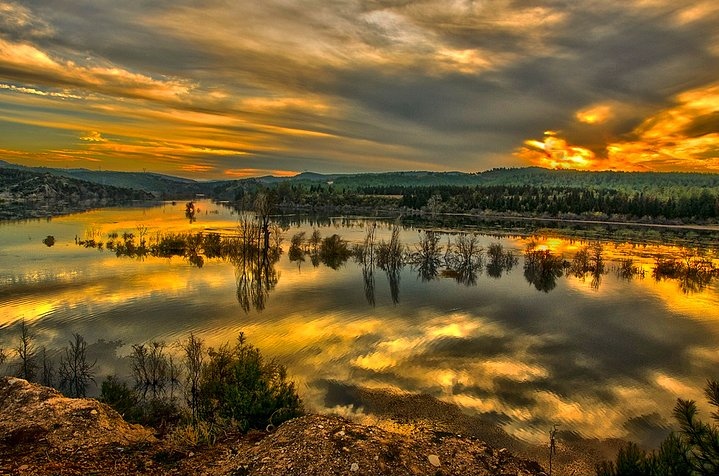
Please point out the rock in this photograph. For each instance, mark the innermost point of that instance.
(354, 468)
(433, 460)
(33, 413)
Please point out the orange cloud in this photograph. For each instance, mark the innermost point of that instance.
(93, 136)
(596, 114)
(684, 137)
(26, 62)
(199, 168)
(556, 153)
(244, 173)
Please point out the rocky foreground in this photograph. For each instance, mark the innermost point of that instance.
(44, 433)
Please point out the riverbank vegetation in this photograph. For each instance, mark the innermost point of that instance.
(255, 248)
(531, 192)
(186, 390)
(647, 197)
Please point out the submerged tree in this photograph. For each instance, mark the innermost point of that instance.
(464, 258)
(297, 250)
(693, 271)
(368, 283)
(542, 268)
(334, 251)
(499, 260)
(427, 256)
(190, 211)
(390, 255)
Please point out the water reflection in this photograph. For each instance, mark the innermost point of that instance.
(589, 261)
(256, 276)
(693, 272)
(600, 362)
(463, 259)
(368, 284)
(190, 212)
(427, 256)
(499, 260)
(542, 268)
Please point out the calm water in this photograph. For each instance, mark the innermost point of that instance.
(604, 358)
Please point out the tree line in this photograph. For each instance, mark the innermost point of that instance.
(676, 204)
(557, 201)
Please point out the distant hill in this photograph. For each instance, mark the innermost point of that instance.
(159, 185)
(27, 193)
(171, 187)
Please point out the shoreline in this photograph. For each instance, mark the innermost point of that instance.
(44, 213)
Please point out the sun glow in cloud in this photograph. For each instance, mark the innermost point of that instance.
(93, 136)
(596, 114)
(683, 137)
(245, 173)
(555, 153)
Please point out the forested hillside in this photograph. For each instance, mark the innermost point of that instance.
(536, 192)
(646, 196)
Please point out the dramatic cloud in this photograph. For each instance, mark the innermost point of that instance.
(361, 86)
(684, 136)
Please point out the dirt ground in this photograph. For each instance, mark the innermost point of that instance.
(44, 433)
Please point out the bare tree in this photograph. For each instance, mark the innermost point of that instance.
(150, 368)
(263, 207)
(48, 372)
(428, 255)
(75, 371)
(27, 353)
(434, 204)
(193, 361)
(465, 258)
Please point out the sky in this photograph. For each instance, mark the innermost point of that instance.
(232, 89)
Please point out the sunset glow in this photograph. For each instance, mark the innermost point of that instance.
(283, 87)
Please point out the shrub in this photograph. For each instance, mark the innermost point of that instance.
(334, 251)
(121, 398)
(239, 385)
(160, 413)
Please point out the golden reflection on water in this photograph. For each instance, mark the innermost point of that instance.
(465, 345)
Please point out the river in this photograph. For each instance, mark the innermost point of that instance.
(603, 354)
